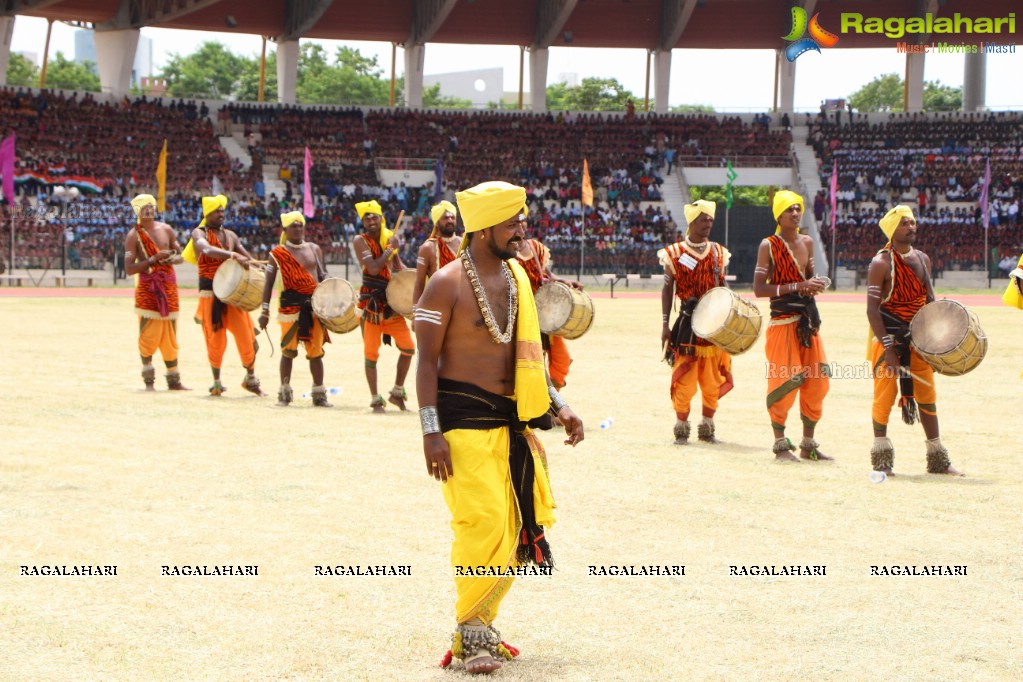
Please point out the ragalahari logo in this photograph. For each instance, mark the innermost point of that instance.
(819, 37)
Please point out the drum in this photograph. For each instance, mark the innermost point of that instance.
(729, 322)
(564, 311)
(948, 337)
(334, 303)
(399, 292)
(239, 286)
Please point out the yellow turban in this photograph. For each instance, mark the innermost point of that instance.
(892, 219)
(287, 220)
(692, 211)
(138, 202)
(211, 204)
(783, 201)
(439, 211)
(488, 204)
(371, 207)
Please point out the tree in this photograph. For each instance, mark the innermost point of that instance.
(742, 195)
(887, 92)
(884, 93)
(248, 81)
(593, 94)
(938, 97)
(212, 72)
(22, 72)
(67, 74)
(349, 79)
(692, 109)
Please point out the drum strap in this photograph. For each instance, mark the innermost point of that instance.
(900, 334)
(304, 302)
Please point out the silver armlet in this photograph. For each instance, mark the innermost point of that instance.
(887, 341)
(430, 420)
(556, 399)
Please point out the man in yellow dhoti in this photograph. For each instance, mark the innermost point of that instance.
(481, 386)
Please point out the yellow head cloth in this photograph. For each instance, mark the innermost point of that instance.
(287, 220)
(370, 207)
(138, 202)
(211, 204)
(692, 211)
(488, 204)
(783, 201)
(892, 218)
(439, 211)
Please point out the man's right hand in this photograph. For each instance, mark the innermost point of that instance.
(891, 359)
(438, 456)
(263, 320)
(665, 334)
(242, 260)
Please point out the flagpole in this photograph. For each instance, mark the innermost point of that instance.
(582, 245)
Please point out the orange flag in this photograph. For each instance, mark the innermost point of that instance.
(161, 180)
(587, 187)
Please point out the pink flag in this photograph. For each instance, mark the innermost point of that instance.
(307, 194)
(7, 167)
(984, 205)
(834, 193)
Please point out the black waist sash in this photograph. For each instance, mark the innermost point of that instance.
(218, 305)
(804, 306)
(466, 406)
(899, 331)
(304, 302)
(682, 340)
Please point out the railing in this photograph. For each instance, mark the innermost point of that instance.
(398, 163)
(718, 161)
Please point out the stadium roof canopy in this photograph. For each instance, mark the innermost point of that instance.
(644, 24)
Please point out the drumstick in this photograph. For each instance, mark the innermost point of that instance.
(397, 224)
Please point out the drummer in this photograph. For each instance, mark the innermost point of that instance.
(377, 250)
(215, 244)
(795, 354)
(536, 260)
(440, 247)
(691, 268)
(301, 266)
(898, 286)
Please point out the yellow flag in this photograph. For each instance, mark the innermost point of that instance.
(587, 187)
(161, 180)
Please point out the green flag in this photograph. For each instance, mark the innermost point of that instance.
(731, 175)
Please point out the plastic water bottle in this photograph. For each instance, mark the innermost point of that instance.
(333, 390)
(606, 424)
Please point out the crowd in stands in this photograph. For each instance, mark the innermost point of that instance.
(937, 165)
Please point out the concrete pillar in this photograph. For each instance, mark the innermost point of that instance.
(6, 34)
(287, 71)
(115, 55)
(785, 76)
(974, 77)
(415, 55)
(914, 94)
(662, 80)
(538, 59)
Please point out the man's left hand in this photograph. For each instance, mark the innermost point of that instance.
(573, 426)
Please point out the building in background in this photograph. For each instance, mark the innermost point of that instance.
(479, 86)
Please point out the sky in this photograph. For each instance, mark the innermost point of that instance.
(728, 80)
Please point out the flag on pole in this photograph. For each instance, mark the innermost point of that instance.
(731, 175)
(438, 169)
(7, 167)
(984, 205)
(587, 187)
(834, 193)
(161, 180)
(307, 192)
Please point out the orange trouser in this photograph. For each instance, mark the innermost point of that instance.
(240, 325)
(289, 339)
(790, 368)
(395, 327)
(711, 369)
(159, 335)
(559, 360)
(886, 385)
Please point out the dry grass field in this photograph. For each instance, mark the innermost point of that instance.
(94, 471)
